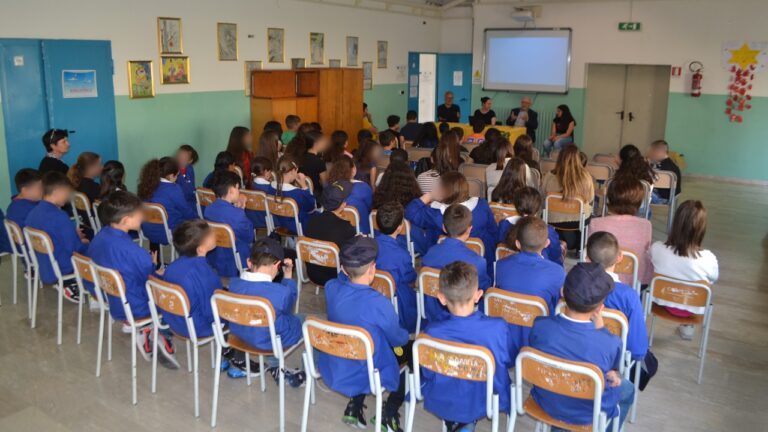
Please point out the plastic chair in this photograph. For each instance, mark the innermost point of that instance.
(575, 207)
(155, 214)
(502, 211)
(19, 251)
(375, 226)
(205, 197)
(80, 202)
(172, 299)
(514, 308)
(695, 297)
(40, 243)
(339, 340)
(384, 283)
(459, 361)
(351, 215)
(667, 180)
(474, 243)
(111, 282)
(317, 252)
(428, 284)
(285, 207)
(565, 377)
(225, 239)
(257, 201)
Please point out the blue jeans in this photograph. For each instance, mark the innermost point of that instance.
(557, 145)
(656, 199)
(626, 396)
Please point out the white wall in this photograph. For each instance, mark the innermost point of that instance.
(132, 28)
(674, 32)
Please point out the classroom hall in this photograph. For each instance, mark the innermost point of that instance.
(617, 141)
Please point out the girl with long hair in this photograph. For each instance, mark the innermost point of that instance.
(634, 165)
(445, 157)
(338, 146)
(513, 178)
(224, 162)
(311, 163)
(239, 146)
(290, 183)
(503, 151)
(366, 158)
(562, 130)
(398, 184)
(361, 197)
(523, 148)
(269, 146)
(261, 179)
(112, 178)
(83, 172)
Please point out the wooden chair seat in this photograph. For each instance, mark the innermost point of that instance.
(663, 313)
(536, 411)
(240, 345)
(283, 231)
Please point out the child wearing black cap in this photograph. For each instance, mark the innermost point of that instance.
(460, 403)
(578, 334)
(350, 300)
(329, 226)
(229, 209)
(266, 260)
(56, 143)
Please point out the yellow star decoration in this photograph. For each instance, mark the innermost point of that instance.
(743, 56)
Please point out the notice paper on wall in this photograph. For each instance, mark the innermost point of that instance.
(458, 78)
(78, 84)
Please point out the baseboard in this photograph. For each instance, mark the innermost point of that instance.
(732, 180)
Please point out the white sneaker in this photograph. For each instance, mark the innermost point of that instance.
(143, 342)
(93, 306)
(127, 328)
(686, 332)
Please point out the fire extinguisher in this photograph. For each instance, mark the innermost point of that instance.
(696, 68)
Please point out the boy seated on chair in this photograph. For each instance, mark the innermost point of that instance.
(578, 334)
(48, 216)
(460, 403)
(528, 202)
(528, 272)
(191, 271)
(266, 260)
(229, 208)
(351, 300)
(457, 223)
(394, 258)
(29, 183)
(658, 156)
(603, 248)
(113, 247)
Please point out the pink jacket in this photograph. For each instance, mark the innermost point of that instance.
(634, 234)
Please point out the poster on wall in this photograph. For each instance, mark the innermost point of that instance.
(140, 79)
(174, 70)
(367, 75)
(250, 66)
(226, 39)
(352, 51)
(316, 48)
(169, 35)
(78, 84)
(382, 48)
(275, 45)
(743, 60)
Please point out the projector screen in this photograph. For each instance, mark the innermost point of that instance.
(527, 60)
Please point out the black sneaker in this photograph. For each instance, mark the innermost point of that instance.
(294, 377)
(237, 368)
(389, 423)
(72, 292)
(354, 415)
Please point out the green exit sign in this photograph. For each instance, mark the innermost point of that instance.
(629, 26)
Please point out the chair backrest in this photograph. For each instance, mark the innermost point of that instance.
(111, 282)
(456, 360)
(629, 266)
(16, 238)
(606, 159)
(474, 243)
(285, 207)
(239, 172)
(171, 298)
(514, 308)
(503, 211)
(665, 180)
(599, 171)
(318, 252)
(205, 196)
(155, 213)
(474, 171)
(383, 162)
(384, 283)
(555, 203)
(691, 296)
(96, 218)
(39, 241)
(429, 281)
(565, 377)
(502, 251)
(535, 154)
(535, 177)
(351, 215)
(254, 200)
(476, 188)
(554, 154)
(83, 268)
(415, 153)
(81, 202)
(545, 166)
(617, 323)
(310, 185)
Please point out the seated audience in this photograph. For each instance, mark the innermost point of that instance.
(262, 177)
(389, 141)
(445, 157)
(411, 129)
(187, 157)
(229, 209)
(393, 125)
(523, 149)
(269, 148)
(292, 123)
(477, 136)
(83, 175)
(366, 159)
(239, 146)
(112, 178)
(56, 143)
(427, 136)
(290, 183)
(509, 179)
(528, 202)
(495, 169)
(658, 155)
(29, 183)
(224, 162)
(361, 197)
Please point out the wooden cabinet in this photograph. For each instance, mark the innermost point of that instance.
(331, 97)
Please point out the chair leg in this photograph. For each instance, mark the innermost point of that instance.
(35, 289)
(307, 394)
(189, 357)
(379, 397)
(262, 374)
(154, 358)
(704, 341)
(281, 385)
(134, 348)
(29, 279)
(247, 368)
(411, 408)
(213, 355)
(196, 379)
(216, 379)
(495, 418)
(80, 317)
(653, 330)
(100, 343)
(298, 293)
(109, 338)
(633, 413)
(59, 318)
(15, 266)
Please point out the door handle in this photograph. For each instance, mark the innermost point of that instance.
(621, 114)
(631, 116)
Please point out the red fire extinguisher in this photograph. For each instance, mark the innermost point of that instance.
(696, 68)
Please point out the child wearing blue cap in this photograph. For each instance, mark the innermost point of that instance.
(578, 334)
(351, 300)
(394, 258)
(229, 209)
(457, 222)
(266, 259)
(460, 403)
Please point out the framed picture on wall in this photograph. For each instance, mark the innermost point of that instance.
(250, 66)
(298, 63)
(169, 36)
(367, 75)
(352, 51)
(226, 39)
(174, 70)
(381, 54)
(275, 45)
(316, 48)
(334, 63)
(141, 83)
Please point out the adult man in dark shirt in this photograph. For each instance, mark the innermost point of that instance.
(56, 142)
(329, 226)
(658, 155)
(525, 117)
(411, 129)
(448, 112)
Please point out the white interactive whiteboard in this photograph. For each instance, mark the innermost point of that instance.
(530, 60)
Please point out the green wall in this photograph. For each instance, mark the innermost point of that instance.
(384, 100)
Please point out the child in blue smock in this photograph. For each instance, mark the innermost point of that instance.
(394, 258)
(113, 247)
(228, 209)
(187, 157)
(603, 248)
(460, 403)
(350, 300)
(361, 197)
(48, 216)
(528, 272)
(290, 183)
(266, 259)
(457, 222)
(427, 212)
(261, 173)
(528, 202)
(578, 334)
(157, 184)
(29, 183)
(224, 162)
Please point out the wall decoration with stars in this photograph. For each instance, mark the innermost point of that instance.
(743, 60)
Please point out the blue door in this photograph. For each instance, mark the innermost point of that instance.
(449, 67)
(37, 97)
